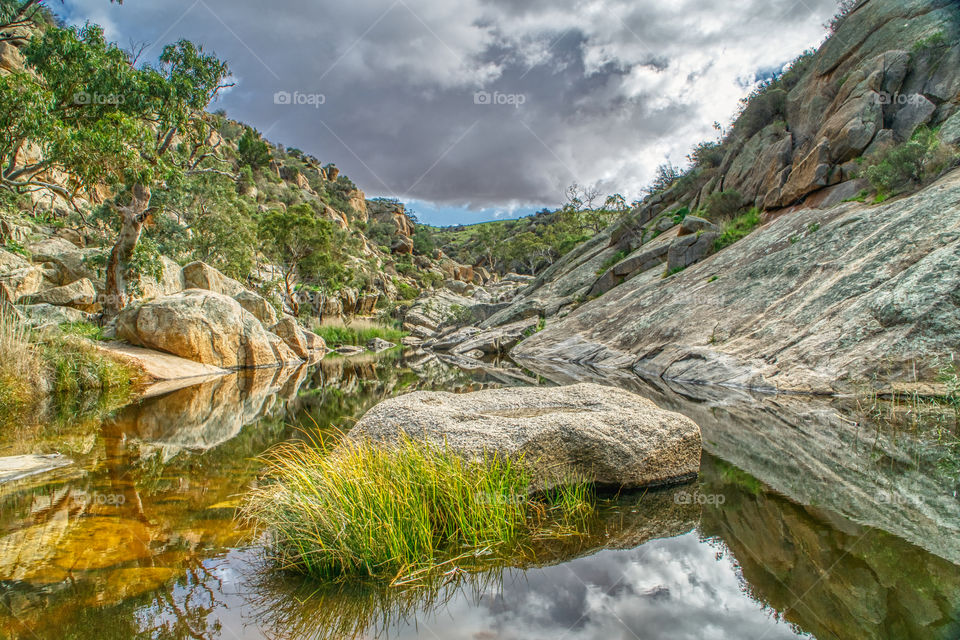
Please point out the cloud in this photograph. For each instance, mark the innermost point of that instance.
(593, 91)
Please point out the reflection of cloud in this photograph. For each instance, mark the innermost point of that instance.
(611, 87)
(670, 589)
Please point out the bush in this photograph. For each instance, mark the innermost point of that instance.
(723, 205)
(907, 166)
(253, 150)
(405, 291)
(738, 228)
(387, 512)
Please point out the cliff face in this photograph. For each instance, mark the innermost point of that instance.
(812, 301)
(828, 292)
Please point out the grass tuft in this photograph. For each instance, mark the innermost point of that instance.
(391, 513)
(360, 331)
(737, 229)
(20, 368)
(57, 371)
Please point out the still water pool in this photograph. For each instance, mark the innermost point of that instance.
(801, 525)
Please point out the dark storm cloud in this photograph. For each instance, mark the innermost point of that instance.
(596, 92)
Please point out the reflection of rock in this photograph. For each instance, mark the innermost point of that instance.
(205, 415)
(863, 583)
(601, 434)
(17, 467)
(47, 551)
(806, 449)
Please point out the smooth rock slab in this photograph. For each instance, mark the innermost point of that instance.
(17, 467)
(605, 435)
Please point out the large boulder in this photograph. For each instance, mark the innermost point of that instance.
(71, 263)
(689, 249)
(11, 262)
(80, 295)
(256, 304)
(950, 131)
(205, 327)
(48, 315)
(170, 281)
(294, 337)
(810, 174)
(604, 435)
(18, 283)
(200, 275)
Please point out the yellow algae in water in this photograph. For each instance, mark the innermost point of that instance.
(26, 554)
(226, 504)
(99, 542)
(119, 584)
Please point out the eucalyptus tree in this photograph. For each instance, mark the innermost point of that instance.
(82, 109)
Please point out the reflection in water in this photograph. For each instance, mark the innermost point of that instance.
(138, 538)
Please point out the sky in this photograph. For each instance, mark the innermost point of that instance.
(474, 110)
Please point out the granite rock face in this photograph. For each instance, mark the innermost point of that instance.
(813, 301)
(205, 327)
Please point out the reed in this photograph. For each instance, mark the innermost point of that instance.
(391, 513)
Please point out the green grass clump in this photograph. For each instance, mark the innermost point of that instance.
(358, 332)
(391, 512)
(738, 228)
(612, 260)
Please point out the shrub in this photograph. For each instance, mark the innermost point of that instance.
(738, 228)
(253, 150)
(406, 291)
(387, 512)
(907, 166)
(723, 205)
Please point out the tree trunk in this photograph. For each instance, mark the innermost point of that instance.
(132, 218)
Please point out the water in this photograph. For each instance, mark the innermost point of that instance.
(800, 525)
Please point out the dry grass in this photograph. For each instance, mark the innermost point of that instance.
(53, 375)
(20, 369)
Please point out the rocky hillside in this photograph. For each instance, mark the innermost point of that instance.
(812, 247)
(235, 244)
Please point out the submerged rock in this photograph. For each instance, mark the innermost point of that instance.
(379, 344)
(601, 434)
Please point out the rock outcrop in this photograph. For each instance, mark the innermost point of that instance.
(205, 327)
(813, 301)
(604, 435)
